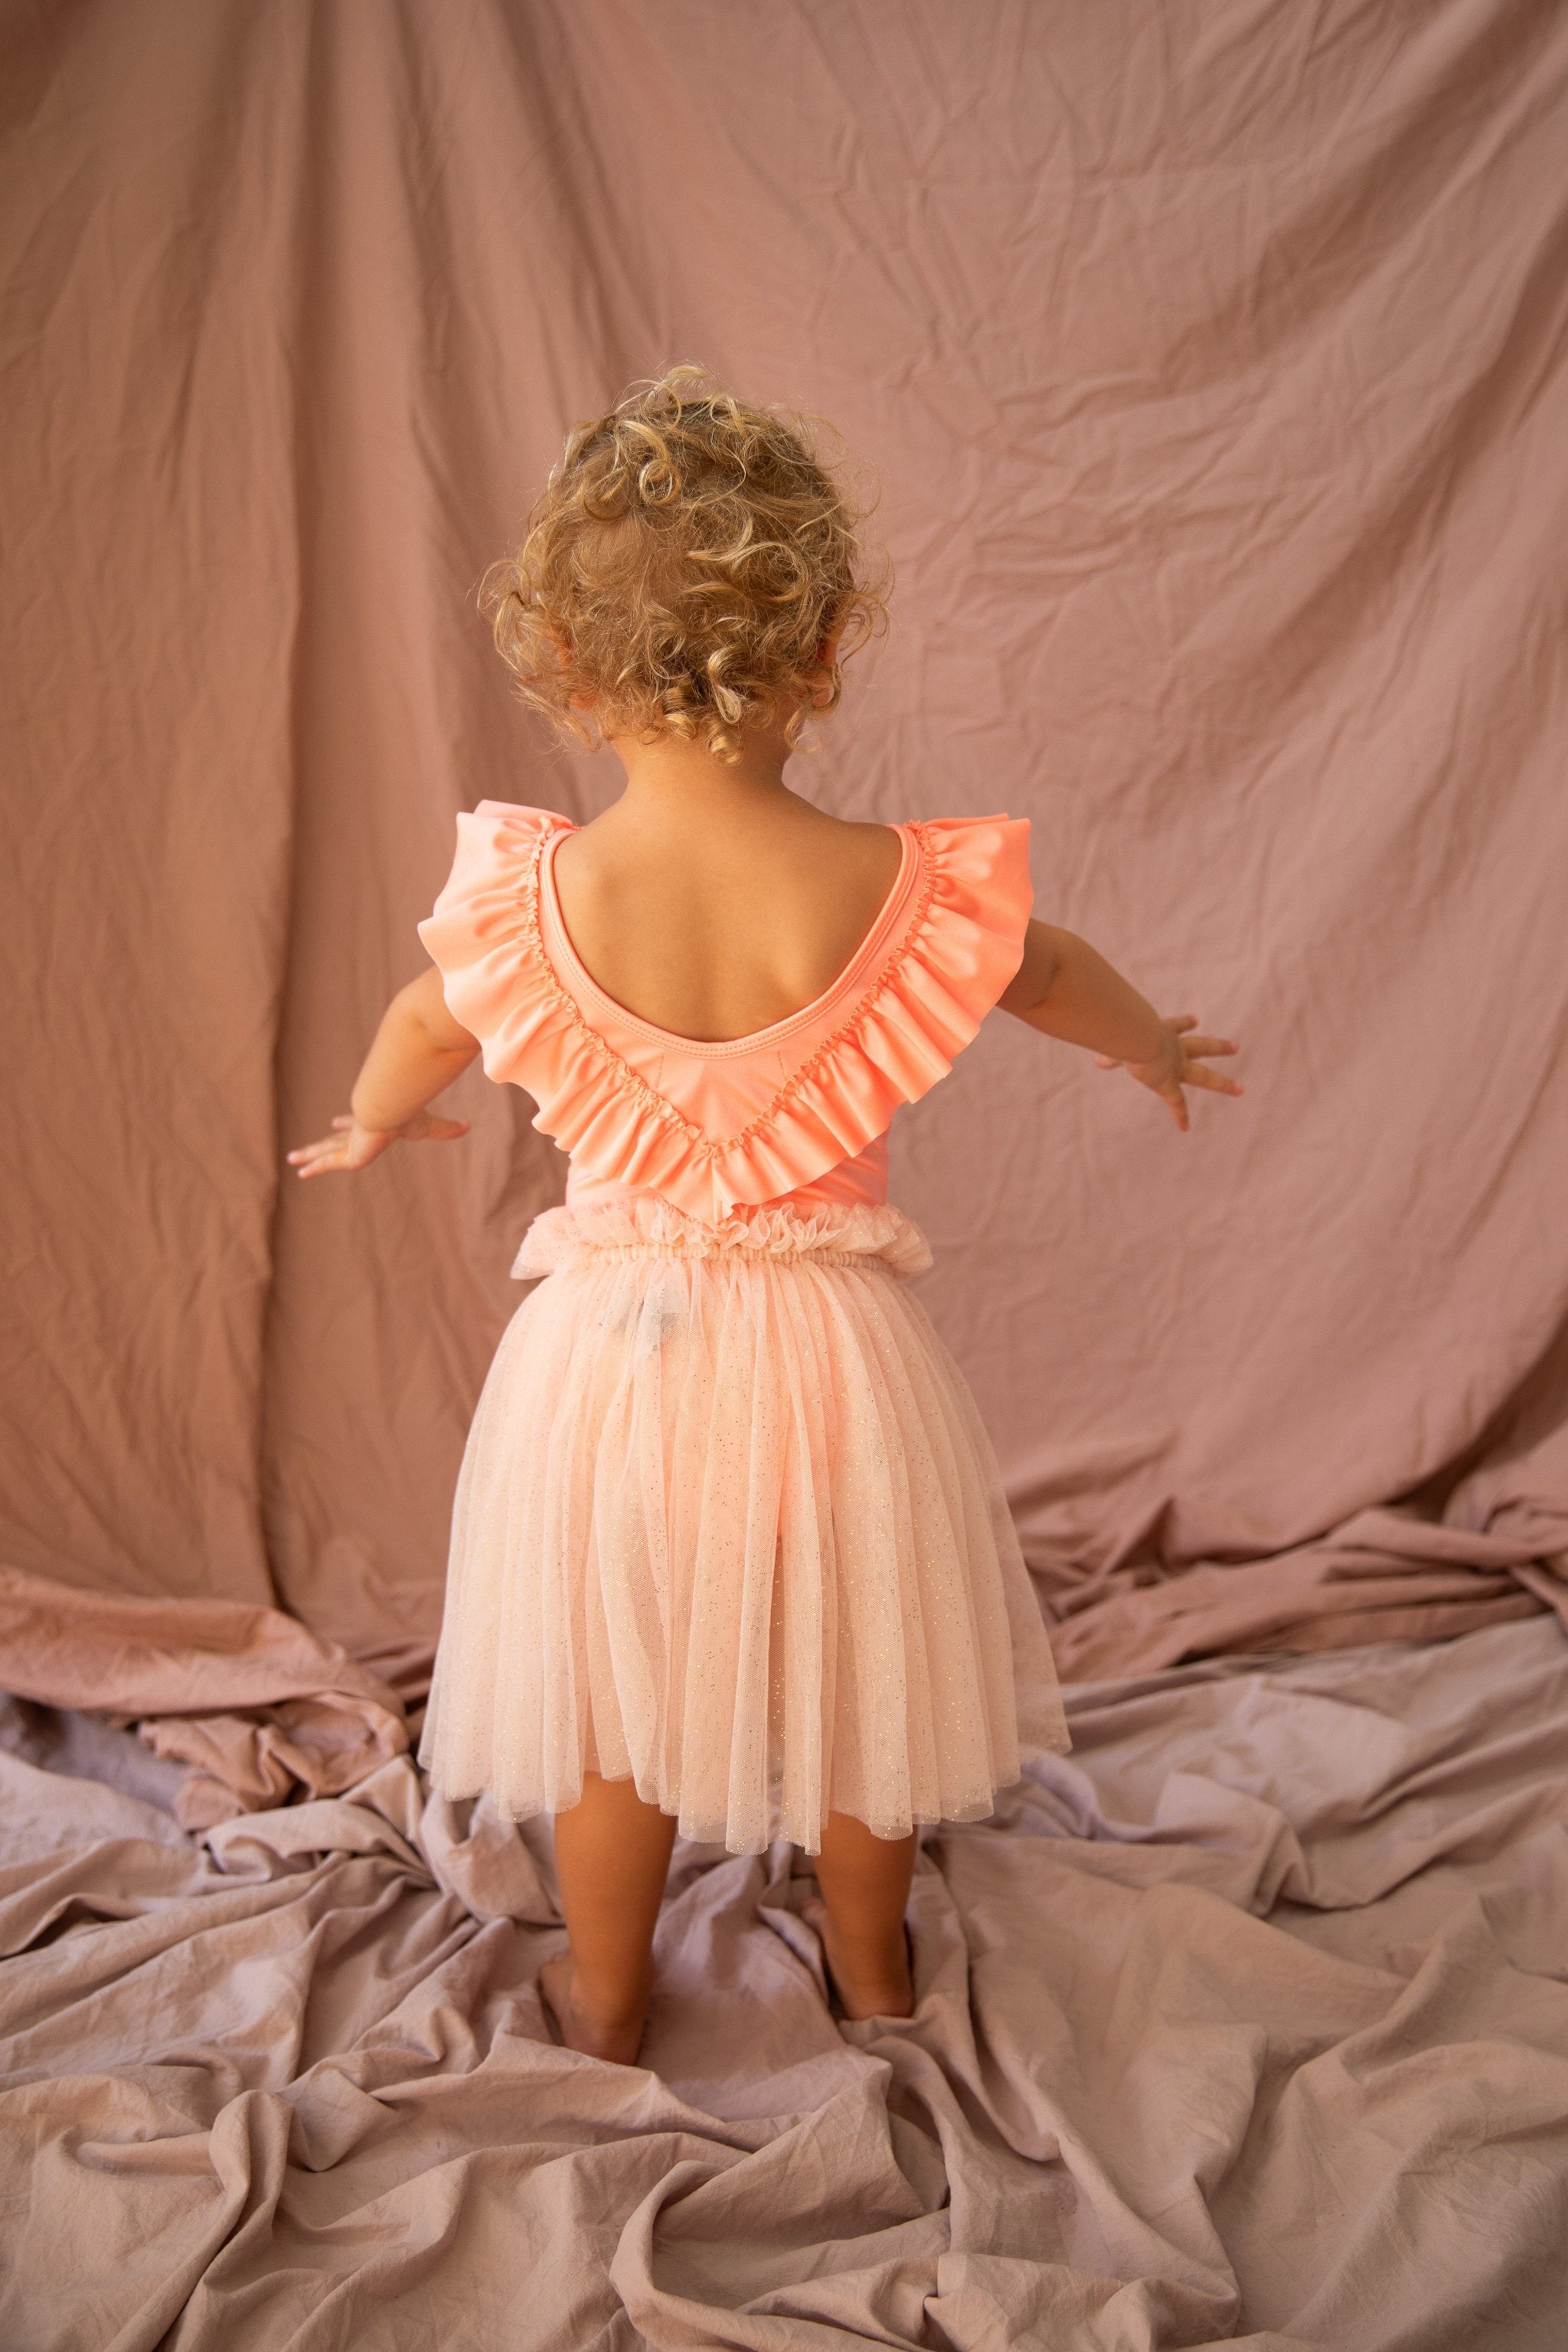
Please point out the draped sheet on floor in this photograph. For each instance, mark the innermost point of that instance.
(1246, 2022)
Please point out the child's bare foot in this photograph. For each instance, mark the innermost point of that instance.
(867, 1985)
(617, 2038)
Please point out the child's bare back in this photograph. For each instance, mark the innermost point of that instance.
(715, 922)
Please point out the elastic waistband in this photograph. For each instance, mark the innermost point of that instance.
(868, 1260)
(866, 1236)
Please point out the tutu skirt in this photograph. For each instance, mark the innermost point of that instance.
(729, 1524)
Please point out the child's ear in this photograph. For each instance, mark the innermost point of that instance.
(560, 646)
(826, 654)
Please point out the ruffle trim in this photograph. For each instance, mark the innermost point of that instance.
(857, 1234)
(959, 945)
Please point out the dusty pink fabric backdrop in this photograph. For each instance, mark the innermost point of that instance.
(1213, 361)
(1212, 356)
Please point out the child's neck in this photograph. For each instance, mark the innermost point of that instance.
(669, 771)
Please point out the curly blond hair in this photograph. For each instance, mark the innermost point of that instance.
(692, 567)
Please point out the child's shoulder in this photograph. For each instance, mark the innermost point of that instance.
(496, 846)
(968, 853)
(518, 815)
(503, 834)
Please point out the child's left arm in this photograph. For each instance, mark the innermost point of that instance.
(417, 1052)
(1066, 989)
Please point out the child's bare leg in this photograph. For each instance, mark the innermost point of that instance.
(865, 1881)
(612, 1857)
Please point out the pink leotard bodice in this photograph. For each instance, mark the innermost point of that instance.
(797, 1112)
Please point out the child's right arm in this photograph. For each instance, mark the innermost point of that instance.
(417, 1052)
(1066, 989)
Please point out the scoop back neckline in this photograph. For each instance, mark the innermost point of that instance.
(754, 1039)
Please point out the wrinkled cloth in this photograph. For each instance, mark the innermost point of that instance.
(1245, 2023)
(729, 1526)
(260, 1707)
(1385, 1575)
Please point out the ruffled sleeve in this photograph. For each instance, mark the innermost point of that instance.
(963, 952)
(961, 947)
(476, 936)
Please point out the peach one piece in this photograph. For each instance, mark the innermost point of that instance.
(728, 1521)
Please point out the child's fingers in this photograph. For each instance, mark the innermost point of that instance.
(1197, 1076)
(1210, 1045)
(332, 1151)
(325, 1143)
(337, 1158)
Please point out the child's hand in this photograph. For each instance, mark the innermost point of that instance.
(353, 1146)
(1179, 1065)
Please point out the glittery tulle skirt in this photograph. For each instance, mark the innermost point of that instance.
(729, 1524)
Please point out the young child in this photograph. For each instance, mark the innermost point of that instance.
(729, 1551)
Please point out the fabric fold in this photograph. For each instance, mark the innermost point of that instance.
(255, 1705)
